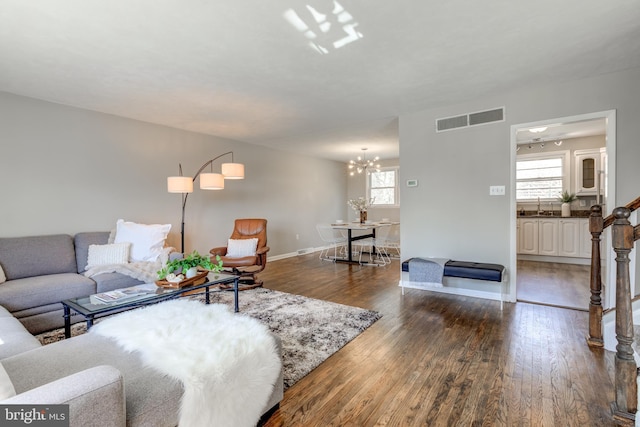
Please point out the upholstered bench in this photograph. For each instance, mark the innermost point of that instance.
(459, 271)
(469, 270)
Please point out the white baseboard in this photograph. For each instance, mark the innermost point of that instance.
(454, 291)
(556, 259)
(304, 251)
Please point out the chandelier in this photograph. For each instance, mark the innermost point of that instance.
(362, 164)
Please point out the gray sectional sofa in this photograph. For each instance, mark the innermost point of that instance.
(41, 271)
(102, 384)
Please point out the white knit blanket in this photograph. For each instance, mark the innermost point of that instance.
(228, 363)
(143, 270)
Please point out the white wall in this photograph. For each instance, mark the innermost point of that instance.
(450, 214)
(67, 170)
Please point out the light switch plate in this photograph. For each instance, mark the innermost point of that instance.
(497, 190)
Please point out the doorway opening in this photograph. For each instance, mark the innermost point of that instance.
(550, 248)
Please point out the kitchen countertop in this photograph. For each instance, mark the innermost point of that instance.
(556, 214)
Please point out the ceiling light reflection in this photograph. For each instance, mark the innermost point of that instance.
(328, 26)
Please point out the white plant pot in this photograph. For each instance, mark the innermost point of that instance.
(192, 272)
(566, 209)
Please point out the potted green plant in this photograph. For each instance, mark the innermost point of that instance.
(566, 200)
(189, 265)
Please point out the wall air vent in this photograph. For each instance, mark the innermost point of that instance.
(452, 123)
(470, 119)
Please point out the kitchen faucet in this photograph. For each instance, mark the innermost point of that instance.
(539, 211)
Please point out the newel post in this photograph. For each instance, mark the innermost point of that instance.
(596, 225)
(625, 405)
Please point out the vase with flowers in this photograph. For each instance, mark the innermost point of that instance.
(360, 205)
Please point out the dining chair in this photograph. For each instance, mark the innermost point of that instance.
(392, 241)
(335, 240)
(378, 242)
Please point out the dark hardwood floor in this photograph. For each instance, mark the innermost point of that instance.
(443, 360)
(562, 285)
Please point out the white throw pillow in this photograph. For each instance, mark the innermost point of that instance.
(6, 386)
(242, 247)
(116, 253)
(147, 240)
(3, 278)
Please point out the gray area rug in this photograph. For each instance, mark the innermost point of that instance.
(311, 330)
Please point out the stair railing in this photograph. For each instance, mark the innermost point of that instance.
(626, 371)
(597, 224)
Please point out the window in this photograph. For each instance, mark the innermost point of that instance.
(541, 176)
(383, 187)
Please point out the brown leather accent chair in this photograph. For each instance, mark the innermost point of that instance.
(247, 266)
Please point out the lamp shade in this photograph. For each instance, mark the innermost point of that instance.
(233, 170)
(211, 181)
(180, 184)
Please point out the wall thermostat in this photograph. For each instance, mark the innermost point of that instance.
(412, 183)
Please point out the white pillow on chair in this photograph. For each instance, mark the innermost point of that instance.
(3, 278)
(241, 247)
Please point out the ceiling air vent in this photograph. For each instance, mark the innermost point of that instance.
(471, 119)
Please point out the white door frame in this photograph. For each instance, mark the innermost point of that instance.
(610, 120)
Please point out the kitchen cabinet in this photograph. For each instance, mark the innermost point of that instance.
(548, 236)
(587, 165)
(528, 236)
(562, 237)
(569, 237)
(537, 236)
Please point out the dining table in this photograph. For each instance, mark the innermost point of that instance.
(369, 227)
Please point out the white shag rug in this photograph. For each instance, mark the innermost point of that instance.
(227, 362)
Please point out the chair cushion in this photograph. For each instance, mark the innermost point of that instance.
(250, 227)
(239, 262)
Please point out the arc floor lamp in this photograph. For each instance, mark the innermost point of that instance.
(208, 181)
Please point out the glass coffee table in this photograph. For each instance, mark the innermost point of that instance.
(90, 308)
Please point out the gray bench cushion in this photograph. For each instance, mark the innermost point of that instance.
(37, 255)
(31, 292)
